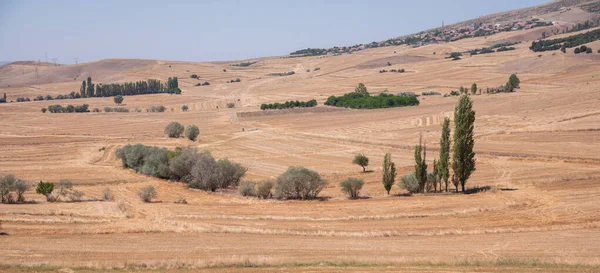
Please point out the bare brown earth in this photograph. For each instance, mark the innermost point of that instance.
(537, 148)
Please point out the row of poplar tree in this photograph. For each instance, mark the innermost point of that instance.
(151, 86)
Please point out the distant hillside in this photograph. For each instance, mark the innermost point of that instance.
(3, 63)
(561, 14)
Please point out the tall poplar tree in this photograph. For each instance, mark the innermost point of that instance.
(389, 173)
(463, 158)
(421, 165)
(443, 163)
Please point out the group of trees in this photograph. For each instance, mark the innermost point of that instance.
(236, 80)
(392, 70)
(566, 42)
(462, 161)
(244, 64)
(9, 184)
(57, 108)
(295, 183)
(198, 169)
(583, 49)
(151, 86)
(176, 129)
(282, 74)
(289, 104)
(361, 98)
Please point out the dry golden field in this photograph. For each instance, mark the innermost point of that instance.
(538, 149)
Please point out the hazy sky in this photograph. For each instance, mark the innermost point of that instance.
(215, 30)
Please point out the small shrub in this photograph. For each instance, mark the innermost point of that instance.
(205, 83)
(192, 132)
(107, 195)
(299, 183)
(76, 195)
(156, 109)
(184, 108)
(7, 184)
(21, 187)
(147, 193)
(174, 129)
(96, 110)
(430, 93)
(263, 190)
(118, 99)
(246, 188)
(407, 94)
(230, 173)
(194, 76)
(409, 182)
(352, 186)
(317, 69)
(44, 110)
(230, 105)
(181, 200)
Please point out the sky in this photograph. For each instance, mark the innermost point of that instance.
(215, 30)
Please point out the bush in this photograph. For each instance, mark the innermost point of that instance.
(230, 173)
(205, 173)
(588, 50)
(21, 187)
(299, 183)
(282, 74)
(96, 110)
(317, 69)
(194, 76)
(114, 109)
(156, 109)
(7, 184)
(76, 195)
(118, 99)
(352, 187)
(205, 83)
(69, 109)
(107, 195)
(247, 189)
(45, 189)
(230, 105)
(184, 108)
(192, 132)
(577, 50)
(409, 182)
(148, 160)
(147, 193)
(430, 93)
(263, 190)
(174, 129)
(44, 110)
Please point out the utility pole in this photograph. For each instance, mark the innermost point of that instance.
(76, 59)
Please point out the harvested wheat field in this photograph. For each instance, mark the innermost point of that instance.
(533, 204)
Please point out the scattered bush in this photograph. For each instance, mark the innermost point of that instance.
(69, 109)
(365, 100)
(452, 93)
(194, 76)
(230, 105)
(147, 193)
(588, 50)
(115, 109)
(156, 109)
(577, 50)
(64, 186)
(45, 189)
(407, 94)
(205, 83)
(289, 104)
(21, 187)
(148, 160)
(430, 93)
(184, 108)
(566, 42)
(174, 129)
(7, 184)
(96, 110)
(76, 195)
(409, 182)
(19, 99)
(352, 186)
(192, 132)
(317, 69)
(246, 188)
(263, 189)
(44, 110)
(299, 183)
(118, 99)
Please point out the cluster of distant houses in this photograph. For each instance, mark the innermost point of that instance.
(435, 36)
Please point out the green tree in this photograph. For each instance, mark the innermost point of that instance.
(361, 88)
(118, 99)
(174, 129)
(443, 169)
(463, 159)
(83, 90)
(474, 88)
(192, 132)
(361, 160)
(45, 189)
(435, 174)
(420, 165)
(389, 173)
(513, 82)
(90, 87)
